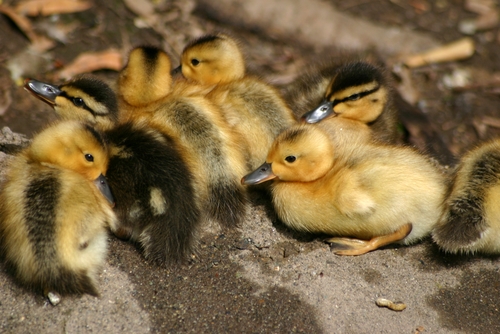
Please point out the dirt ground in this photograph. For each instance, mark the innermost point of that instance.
(262, 277)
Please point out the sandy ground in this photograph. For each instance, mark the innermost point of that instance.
(263, 278)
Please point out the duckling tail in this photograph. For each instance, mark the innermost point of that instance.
(464, 222)
(67, 281)
(461, 225)
(227, 203)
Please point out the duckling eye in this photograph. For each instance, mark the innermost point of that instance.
(290, 158)
(78, 101)
(195, 62)
(354, 97)
(89, 157)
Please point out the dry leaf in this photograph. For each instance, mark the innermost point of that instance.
(92, 61)
(39, 43)
(50, 7)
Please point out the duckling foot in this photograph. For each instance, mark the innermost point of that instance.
(351, 246)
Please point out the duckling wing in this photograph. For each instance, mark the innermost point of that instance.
(353, 198)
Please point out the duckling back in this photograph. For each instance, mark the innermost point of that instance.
(210, 147)
(250, 106)
(471, 221)
(156, 203)
(53, 217)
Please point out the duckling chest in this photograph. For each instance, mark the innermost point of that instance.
(306, 207)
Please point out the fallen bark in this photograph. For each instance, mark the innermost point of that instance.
(317, 24)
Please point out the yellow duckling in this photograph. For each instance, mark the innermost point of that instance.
(356, 93)
(152, 184)
(371, 194)
(471, 222)
(55, 210)
(211, 149)
(252, 107)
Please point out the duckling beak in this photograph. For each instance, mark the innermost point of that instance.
(43, 91)
(261, 174)
(324, 110)
(102, 184)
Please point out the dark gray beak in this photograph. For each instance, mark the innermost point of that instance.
(44, 91)
(261, 174)
(102, 184)
(321, 112)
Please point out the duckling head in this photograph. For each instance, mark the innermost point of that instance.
(357, 91)
(213, 59)
(83, 98)
(75, 146)
(146, 77)
(302, 153)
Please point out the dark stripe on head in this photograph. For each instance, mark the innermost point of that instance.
(98, 90)
(355, 74)
(96, 134)
(292, 135)
(151, 55)
(84, 106)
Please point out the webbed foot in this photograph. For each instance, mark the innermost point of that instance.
(352, 246)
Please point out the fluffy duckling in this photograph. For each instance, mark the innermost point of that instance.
(55, 210)
(84, 98)
(252, 107)
(471, 221)
(353, 93)
(211, 148)
(371, 194)
(155, 201)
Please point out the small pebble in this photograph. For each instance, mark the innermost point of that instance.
(54, 298)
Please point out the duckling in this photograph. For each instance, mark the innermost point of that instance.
(367, 194)
(84, 98)
(252, 107)
(151, 181)
(55, 208)
(471, 221)
(211, 148)
(356, 91)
